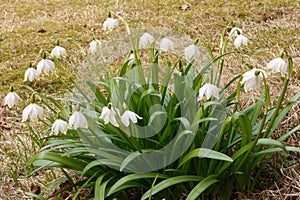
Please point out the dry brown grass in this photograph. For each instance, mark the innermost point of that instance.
(27, 27)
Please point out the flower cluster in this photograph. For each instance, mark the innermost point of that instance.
(240, 39)
(110, 114)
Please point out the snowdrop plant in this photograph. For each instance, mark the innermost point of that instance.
(146, 40)
(59, 126)
(240, 41)
(58, 51)
(208, 90)
(252, 79)
(166, 45)
(77, 120)
(166, 143)
(95, 46)
(30, 74)
(110, 23)
(45, 65)
(11, 98)
(277, 65)
(33, 112)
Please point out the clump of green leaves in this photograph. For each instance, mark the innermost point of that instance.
(180, 146)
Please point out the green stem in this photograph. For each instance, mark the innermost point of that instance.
(270, 128)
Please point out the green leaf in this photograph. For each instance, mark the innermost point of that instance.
(205, 153)
(128, 159)
(67, 162)
(97, 186)
(268, 141)
(246, 129)
(170, 182)
(97, 93)
(126, 180)
(285, 136)
(276, 149)
(202, 186)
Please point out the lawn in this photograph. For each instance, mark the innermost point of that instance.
(27, 28)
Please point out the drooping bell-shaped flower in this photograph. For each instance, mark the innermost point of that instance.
(109, 114)
(109, 24)
(30, 74)
(129, 116)
(251, 79)
(277, 65)
(77, 120)
(32, 112)
(191, 52)
(45, 65)
(11, 98)
(208, 90)
(58, 51)
(95, 46)
(240, 41)
(166, 45)
(146, 40)
(59, 126)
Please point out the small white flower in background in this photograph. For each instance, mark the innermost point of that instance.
(95, 46)
(11, 99)
(240, 41)
(77, 120)
(45, 66)
(146, 40)
(251, 79)
(277, 65)
(131, 58)
(166, 45)
(235, 32)
(129, 115)
(191, 52)
(208, 90)
(108, 115)
(32, 112)
(110, 24)
(59, 126)
(30, 74)
(58, 52)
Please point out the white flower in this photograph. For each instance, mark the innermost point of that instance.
(166, 45)
(235, 32)
(95, 46)
(208, 90)
(146, 40)
(110, 24)
(11, 99)
(58, 51)
(109, 115)
(277, 65)
(129, 115)
(33, 112)
(30, 74)
(251, 79)
(45, 66)
(191, 52)
(131, 58)
(240, 41)
(59, 126)
(77, 120)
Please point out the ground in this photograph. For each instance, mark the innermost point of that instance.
(28, 27)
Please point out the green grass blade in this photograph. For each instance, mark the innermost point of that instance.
(170, 182)
(201, 187)
(205, 153)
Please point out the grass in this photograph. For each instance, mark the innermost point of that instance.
(29, 27)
